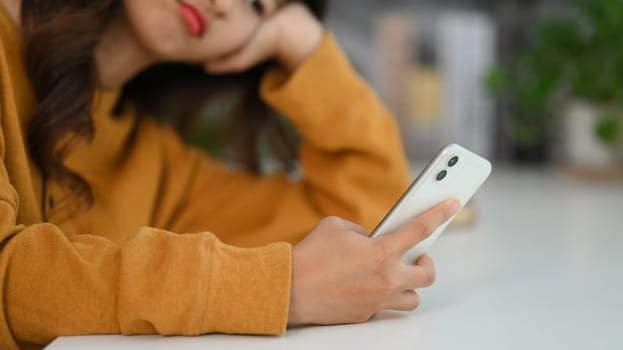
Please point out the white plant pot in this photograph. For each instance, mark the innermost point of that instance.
(582, 147)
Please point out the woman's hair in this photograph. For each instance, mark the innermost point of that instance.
(60, 38)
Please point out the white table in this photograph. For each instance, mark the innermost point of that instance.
(541, 269)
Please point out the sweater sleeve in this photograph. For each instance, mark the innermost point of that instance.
(155, 282)
(352, 160)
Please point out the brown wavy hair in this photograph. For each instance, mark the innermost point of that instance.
(60, 39)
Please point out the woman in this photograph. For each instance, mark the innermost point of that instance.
(90, 192)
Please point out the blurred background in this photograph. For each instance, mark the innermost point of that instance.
(536, 82)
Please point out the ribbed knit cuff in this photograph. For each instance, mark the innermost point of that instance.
(318, 89)
(250, 290)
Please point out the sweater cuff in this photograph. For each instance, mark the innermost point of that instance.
(251, 290)
(317, 90)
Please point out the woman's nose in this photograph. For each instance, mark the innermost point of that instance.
(221, 7)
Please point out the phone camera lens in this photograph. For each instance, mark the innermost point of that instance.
(442, 175)
(453, 161)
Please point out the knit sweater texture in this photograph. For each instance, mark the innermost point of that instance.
(176, 243)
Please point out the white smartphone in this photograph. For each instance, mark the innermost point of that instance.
(454, 173)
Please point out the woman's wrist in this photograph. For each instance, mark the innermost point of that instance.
(294, 312)
(300, 34)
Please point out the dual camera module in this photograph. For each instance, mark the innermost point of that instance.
(452, 162)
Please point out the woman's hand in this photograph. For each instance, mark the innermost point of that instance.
(339, 275)
(289, 36)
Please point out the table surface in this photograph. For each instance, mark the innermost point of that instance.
(540, 269)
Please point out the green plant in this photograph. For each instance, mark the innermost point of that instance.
(577, 57)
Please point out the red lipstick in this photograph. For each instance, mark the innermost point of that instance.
(195, 20)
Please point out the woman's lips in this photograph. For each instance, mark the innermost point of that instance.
(197, 23)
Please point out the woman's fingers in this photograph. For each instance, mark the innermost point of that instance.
(407, 300)
(260, 48)
(340, 276)
(239, 61)
(420, 275)
(424, 260)
(289, 37)
(421, 227)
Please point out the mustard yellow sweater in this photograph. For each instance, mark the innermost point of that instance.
(119, 268)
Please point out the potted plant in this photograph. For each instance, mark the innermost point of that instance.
(570, 79)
